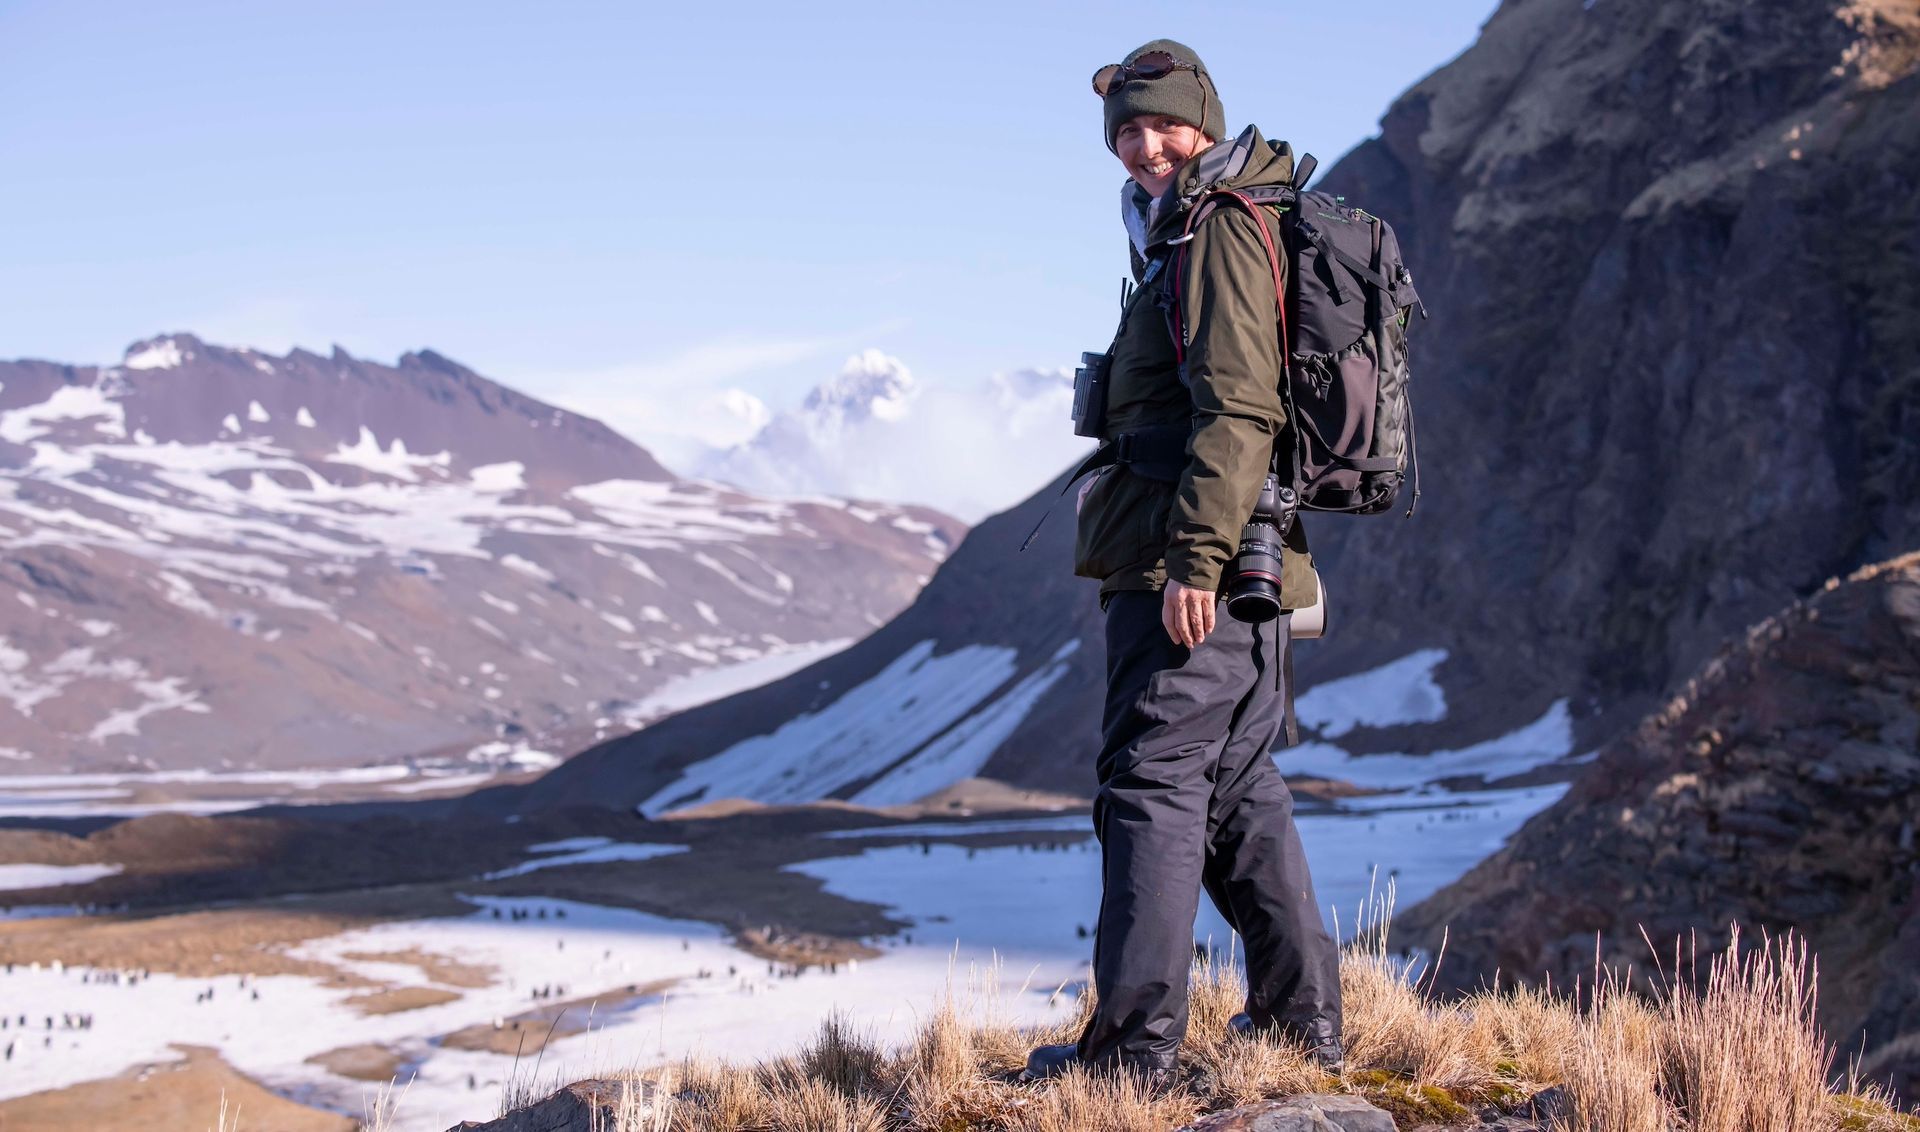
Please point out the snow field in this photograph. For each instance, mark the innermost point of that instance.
(925, 721)
(965, 912)
(49, 876)
(593, 950)
(590, 951)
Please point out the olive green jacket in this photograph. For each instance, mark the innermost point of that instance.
(1136, 532)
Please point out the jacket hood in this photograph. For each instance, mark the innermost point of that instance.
(1243, 163)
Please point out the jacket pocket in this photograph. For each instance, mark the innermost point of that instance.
(1122, 523)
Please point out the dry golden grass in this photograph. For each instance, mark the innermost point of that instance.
(717, 1097)
(1613, 1068)
(1078, 1101)
(1241, 1070)
(1743, 1053)
(944, 1081)
(224, 1125)
(1733, 1050)
(1537, 1029)
(807, 1106)
(1394, 1024)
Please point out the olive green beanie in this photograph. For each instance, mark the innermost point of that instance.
(1186, 95)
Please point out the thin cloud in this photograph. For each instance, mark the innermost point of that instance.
(680, 405)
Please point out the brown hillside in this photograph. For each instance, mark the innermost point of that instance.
(1781, 790)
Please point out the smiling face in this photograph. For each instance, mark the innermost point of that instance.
(1153, 147)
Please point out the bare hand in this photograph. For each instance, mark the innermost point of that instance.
(1187, 613)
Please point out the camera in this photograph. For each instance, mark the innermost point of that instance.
(1253, 582)
(1090, 394)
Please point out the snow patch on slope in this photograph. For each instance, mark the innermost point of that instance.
(68, 403)
(857, 737)
(162, 354)
(395, 461)
(13, 877)
(964, 750)
(492, 478)
(1547, 739)
(1403, 691)
(601, 851)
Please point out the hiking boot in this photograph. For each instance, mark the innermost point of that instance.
(1051, 1061)
(1323, 1049)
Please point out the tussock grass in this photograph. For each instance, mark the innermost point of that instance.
(1730, 1049)
(1078, 1101)
(1612, 1071)
(1395, 1024)
(1536, 1029)
(1743, 1053)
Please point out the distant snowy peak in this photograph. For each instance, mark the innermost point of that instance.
(871, 386)
(827, 445)
(875, 432)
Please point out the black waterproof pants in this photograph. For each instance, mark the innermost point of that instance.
(1189, 797)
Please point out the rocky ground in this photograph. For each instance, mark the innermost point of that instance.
(1780, 790)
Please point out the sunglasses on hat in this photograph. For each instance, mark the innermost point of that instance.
(1152, 65)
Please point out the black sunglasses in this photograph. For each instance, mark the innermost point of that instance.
(1152, 65)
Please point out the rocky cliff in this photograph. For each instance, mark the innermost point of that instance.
(1780, 789)
(1672, 377)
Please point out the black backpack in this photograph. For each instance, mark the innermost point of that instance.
(1344, 329)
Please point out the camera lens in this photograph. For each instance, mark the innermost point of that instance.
(1253, 586)
(1254, 601)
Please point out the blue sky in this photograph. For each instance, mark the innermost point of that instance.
(574, 196)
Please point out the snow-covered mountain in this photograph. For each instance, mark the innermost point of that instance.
(217, 557)
(877, 432)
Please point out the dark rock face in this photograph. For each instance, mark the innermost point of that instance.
(213, 557)
(1667, 384)
(1780, 790)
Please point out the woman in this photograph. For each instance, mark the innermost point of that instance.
(1188, 796)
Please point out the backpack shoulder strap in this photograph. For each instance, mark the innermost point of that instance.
(1248, 200)
(1251, 200)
